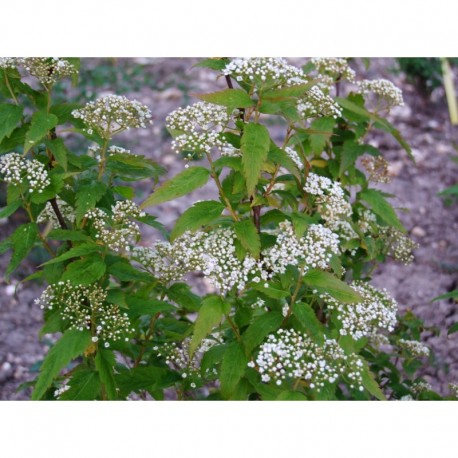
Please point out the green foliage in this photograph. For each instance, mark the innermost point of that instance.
(295, 220)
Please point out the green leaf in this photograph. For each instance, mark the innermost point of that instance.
(212, 357)
(68, 347)
(75, 252)
(255, 146)
(125, 272)
(133, 167)
(261, 327)
(248, 236)
(139, 306)
(200, 214)
(452, 329)
(10, 209)
(214, 63)
(323, 128)
(40, 125)
(64, 111)
(233, 368)
(326, 282)
(64, 234)
(381, 207)
(15, 140)
(350, 152)
(272, 290)
(84, 386)
(10, 116)
(210, 315)
(22, 240)
(180, 185)
(104, 363)
(230, 98)
(85, 271)
(59, 151)
(146, 378)
(370, 383)
(308, 319)
(286, 93)
(291, 396)
(450, 295)
(87, 197)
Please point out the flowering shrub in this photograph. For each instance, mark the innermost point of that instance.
(285, 250)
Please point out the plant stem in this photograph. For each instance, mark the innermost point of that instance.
(234, 327)
(146, 340)
(10, 89)
(215, 177)
(295, 293)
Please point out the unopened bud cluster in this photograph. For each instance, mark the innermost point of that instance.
(116, 231)
(112, 114)
(377, 310)
(421, 386)
(453, 387)
(377, 167)
(400, 246)
(48, 70)
(288, 356)
(19, 171)
(85, 308)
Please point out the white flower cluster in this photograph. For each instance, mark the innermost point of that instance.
(367, 219)
(335, 67)
(383, 89)
(317, 103)
(421, 386)
(48, 214)
(177, 356)
(113, 113)
(18, 171)
(288, 355)
(213, 254)
(377, 167)
(376, 311)
(259, 303)
(122, 231)
(200, 126)
(453, 387)
(9, 62)
(48, 70)
(330, 197)
(230, 151)
(80, 305)
(415, 347)
(379, 340)
(294, 156)
(400, 246)
(264, 72)
(343, 229)
(314, 249)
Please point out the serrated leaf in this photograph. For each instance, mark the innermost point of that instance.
(272, 290)
(248, 236)
(84, 386)
(452, 329)
(255, 147)
(68, 347)
(325, 127)
(40, 125)
(64, 111)
(211, 357)
(144, 306)
(75, 252)
(326, 282)
(230, 98)
(87, 197)
(350, 152)
(10, 209)
(291, 396)
(210, 315)
(133, 167)
(200, 214)
(381, 207)
(22, 242)
(104, 363)
(59, 151)
(285, 93)
(64, 234)
(146, 378)
(16, 139)
(370, 383)
(214, 63)
(308, 319)
(233, 368)
(85, 271)
(10, 116)
(183, 183)
(125, 272)
(261, 327)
